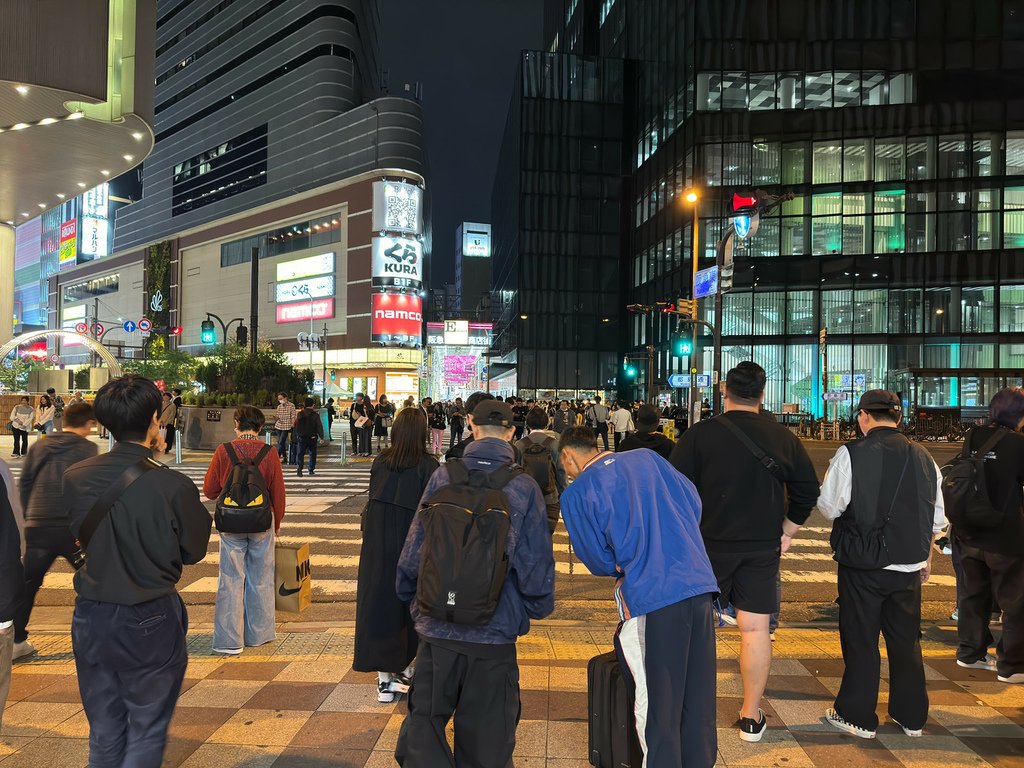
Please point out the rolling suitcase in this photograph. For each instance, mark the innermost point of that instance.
(612, 738)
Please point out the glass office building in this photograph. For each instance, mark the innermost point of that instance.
(897, 124)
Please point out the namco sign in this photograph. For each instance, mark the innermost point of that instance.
(396, 319)
(322, 309)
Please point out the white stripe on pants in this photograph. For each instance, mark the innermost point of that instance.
(631, 640)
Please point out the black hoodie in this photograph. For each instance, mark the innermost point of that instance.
(42, 477)
(656, 441)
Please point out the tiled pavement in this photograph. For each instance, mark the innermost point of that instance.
(297, 703)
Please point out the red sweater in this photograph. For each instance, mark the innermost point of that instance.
(270, 468)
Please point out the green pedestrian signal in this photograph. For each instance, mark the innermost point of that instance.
(207, 334)
(630, 371)
(682, 347)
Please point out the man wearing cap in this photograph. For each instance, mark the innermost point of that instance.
(885, 495)
(647, 435)
(468, 670)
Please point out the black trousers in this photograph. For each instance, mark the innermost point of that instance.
(601, 430)
(169, 436)
(307, 445)
(20, 438)
(986, 574)
(888, 602)
(131, 660)
(42, 547)
(483, 694)
(956, 556)
(619, 437)
(669, 654)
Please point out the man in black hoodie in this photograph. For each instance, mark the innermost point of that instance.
(11, 580)
(646, 435)
(47, 532)
(456, 451)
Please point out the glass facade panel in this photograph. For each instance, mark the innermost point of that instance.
(905, 310)
(1011, 308)
(870, 311)
(769, 313)
(890, 160)
(1013, 218)
(837, 311)
(1015, 153)
(889, 222)
(800, 317)
(855, 160)
(978, 310)
(921, 158)
(736, 314)
(828, 163)
(954, 160)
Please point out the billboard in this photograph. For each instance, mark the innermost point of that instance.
(459, 332)
(310, 288)
(476, 244)
(322, 264)
(322, 309)
(397, 263)
(95, 237)
(68, 244)
(396, 319)
(397, 207)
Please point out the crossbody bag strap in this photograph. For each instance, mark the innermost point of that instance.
(989, 444)
(765, 460)
(899, 484)
(102, 507)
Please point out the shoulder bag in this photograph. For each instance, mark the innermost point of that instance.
(766, 461)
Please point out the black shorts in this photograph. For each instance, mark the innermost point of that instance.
(747, 579)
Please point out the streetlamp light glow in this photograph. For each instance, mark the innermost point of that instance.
(691, 196)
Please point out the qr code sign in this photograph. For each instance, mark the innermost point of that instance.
(402, 207)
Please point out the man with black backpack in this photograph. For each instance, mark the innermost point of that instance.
(883, 491)
(138, 522)
(309, 430)
(985, 503)
(469, 617)
(540, 458)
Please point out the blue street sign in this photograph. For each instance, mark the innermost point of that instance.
(703, 380)
(679, 380)
(705, 283)
(129, 326)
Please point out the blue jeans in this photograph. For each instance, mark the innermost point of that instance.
(282, 443)
(130, 660)
(48, 428)
(307, 445)
(244, 612)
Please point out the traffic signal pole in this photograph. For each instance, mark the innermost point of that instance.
(694, 404)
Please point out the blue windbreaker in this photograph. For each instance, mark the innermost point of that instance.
(635, 511)
(529, 591)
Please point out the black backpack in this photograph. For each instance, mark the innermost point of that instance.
(244, 504)
(964, 489)
(463, 563)
(537, 462)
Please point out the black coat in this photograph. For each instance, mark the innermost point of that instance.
(386, 638)
(12, 578)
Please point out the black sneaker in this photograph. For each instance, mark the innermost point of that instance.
(753, 730)
(836, 720)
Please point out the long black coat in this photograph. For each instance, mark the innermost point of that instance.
(385, 636)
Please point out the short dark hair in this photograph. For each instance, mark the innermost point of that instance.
(282, 394)
(126, 406)
(1007, 407)
(51, 391)
(597, 398)
(309, 402)
(249, 418)
(578, 438)
(167, 395)
(176, 390)
(886, 416)
(78, 415)
(746, 382)
(537, 419)
(475, 399)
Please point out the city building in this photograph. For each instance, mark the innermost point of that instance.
(897, 126)
(66, 128)
(473, 265)
(274, 137)
(457, 359)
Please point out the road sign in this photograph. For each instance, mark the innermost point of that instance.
(706, 283)
(704, 380)
(145, 324)
(318, 383)
(679, 380)
(55, 358)
(836, 396)
(98, 329)
(129, 326)
(145, 334)
(81, 327)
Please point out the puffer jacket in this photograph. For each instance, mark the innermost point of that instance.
(41, 487)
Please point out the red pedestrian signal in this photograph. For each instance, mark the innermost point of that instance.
(175, 330)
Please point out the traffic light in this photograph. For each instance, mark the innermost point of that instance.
(682, 347)
(174, 330)
(241, 335)
(630, 371)
(207, 334)
(334, 375)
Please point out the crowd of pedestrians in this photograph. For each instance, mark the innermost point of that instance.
(684, 528)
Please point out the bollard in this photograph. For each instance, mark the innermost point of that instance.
(177, 447)
(110, 441)
(266, 437)
(344, 453)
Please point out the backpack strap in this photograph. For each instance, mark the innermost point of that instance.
(989, 444)
(457, 472)
(229, 449)
(499, 478)
(260, 455)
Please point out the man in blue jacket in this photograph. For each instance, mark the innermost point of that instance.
(633, 516)
(472, 671)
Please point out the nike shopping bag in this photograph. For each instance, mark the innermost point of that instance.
(293, 580)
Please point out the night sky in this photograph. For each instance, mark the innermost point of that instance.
(465, 54)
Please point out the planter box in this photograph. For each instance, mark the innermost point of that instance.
(206, 427)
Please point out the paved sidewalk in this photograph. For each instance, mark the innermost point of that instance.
(296, 703)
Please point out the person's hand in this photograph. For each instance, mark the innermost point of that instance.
(926, 572)
(785, 543)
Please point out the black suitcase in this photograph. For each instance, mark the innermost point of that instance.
(613, 742)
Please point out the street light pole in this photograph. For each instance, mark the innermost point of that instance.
(693, 198)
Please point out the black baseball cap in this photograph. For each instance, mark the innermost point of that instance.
(879, 400)
(492, 413)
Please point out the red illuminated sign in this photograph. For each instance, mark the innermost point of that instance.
(323, 309)
(396, 319)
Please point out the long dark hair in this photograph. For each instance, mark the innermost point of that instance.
(407, 446)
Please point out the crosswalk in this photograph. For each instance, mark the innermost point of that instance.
(331, 479)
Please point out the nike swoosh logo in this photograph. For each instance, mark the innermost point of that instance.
(288, 592)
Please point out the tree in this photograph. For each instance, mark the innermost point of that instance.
(14, 372)
(176, 369)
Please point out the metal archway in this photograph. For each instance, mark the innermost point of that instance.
(89, 341)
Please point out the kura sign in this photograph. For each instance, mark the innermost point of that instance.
(396, 319)
(397, 263)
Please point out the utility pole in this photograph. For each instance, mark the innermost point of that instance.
(323, 343)
(650, 374)
(254, 299)
(693, 406)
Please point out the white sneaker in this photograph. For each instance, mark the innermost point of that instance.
(1017, 678)
(955, 615)
(399, 683)
(22, 649)
(228, 651)
(912, 732)
(988, 664)
(835, 719)
(384, 694)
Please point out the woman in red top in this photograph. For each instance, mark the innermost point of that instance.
(244, 611)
